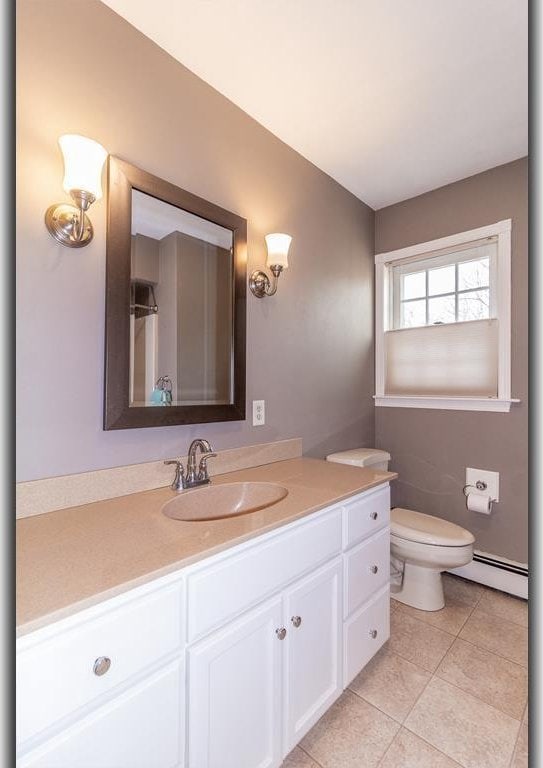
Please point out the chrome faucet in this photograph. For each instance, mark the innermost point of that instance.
(201, 477)
(192, 478)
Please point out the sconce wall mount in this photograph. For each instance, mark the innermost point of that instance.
(83, 162)
(259, 282)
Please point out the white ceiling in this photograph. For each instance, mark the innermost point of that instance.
(391, 98)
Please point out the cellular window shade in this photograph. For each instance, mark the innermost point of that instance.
(456, 360)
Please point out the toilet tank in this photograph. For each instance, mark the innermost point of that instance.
(362, 457)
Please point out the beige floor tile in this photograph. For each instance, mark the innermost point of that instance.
(450, 619)
(464, 591)
(299, 759)
(417, 641)
(466, 729)
(491, 678)
(520, 757)
(505, 606)
(525, 718)
(408, 751)
(350, 735)
(497, 635)
(391, 683)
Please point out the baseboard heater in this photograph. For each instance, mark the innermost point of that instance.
(496, 572)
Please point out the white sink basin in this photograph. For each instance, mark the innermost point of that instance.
(215, 502)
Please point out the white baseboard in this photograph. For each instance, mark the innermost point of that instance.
(495, 577)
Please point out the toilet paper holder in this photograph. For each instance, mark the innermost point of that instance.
(480, 485)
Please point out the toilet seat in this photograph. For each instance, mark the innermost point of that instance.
(417, 527)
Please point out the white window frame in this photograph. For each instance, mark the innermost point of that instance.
(501, 294)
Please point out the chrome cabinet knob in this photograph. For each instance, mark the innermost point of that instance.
(296, 620)
(374, 568)
(101, 665)
(281, 633)
(373, 634)
(374, 515)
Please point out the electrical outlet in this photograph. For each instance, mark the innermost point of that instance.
(259, 413)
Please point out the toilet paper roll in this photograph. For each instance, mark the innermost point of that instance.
(479, 502)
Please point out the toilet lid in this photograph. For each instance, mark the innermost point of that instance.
(427, 529)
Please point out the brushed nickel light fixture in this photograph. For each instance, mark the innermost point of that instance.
(83, 163)
(259, 282)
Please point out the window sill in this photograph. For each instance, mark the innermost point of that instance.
(445, 403)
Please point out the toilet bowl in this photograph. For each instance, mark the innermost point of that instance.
(426, 546)
(423, 546)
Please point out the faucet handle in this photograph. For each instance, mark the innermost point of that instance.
(202, 469)
(177, 484)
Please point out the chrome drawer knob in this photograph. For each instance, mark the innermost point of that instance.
(296, 620)
(281, 633)
(374, 515)
(101, 665)
(373, 634)
(374, 568)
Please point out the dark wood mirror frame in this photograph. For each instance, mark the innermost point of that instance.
(118, 414)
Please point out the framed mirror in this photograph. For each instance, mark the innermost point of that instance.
(175, 305)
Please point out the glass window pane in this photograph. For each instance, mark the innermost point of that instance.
(474, 305)
(413, 313)
(473, 274)
(413, 285)
(441, 280)
(441, 310)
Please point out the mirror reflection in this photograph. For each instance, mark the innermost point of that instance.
(181, 307)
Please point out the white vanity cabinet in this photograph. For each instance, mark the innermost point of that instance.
(225, 664)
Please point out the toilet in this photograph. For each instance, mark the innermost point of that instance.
(421, 546)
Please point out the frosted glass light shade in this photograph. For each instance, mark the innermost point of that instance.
(83, 163)
(278, 245)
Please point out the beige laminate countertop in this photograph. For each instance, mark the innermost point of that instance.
(73, 558)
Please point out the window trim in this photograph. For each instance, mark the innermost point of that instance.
(383, 262)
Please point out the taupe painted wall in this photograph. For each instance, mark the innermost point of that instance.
(81, 68)
(431, 449)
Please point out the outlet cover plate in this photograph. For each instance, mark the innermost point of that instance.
(259, 413)
(492, 480)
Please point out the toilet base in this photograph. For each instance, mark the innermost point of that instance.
(422, 588)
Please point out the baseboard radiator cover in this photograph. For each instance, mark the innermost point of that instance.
(496, 572)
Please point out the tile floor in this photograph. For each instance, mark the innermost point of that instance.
(449, 689)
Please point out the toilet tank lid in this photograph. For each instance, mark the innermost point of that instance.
(359, 457)
(427, 529)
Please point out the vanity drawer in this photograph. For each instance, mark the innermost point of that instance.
(56, 677)
(367, 569)
(139, 729)
(238, 582)
(364, 633)
(365, 515)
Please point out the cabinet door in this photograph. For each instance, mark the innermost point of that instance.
(235, 693)
(312, 674)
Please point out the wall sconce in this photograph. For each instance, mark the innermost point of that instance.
(83, 162)
(278, 245)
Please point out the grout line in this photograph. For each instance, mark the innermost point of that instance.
(429, 743)
(501, 618)
(487, 650)
(389, 746)
(473, 696)
(308, 754)
(516, 744)
(425, 623)
(501, 656)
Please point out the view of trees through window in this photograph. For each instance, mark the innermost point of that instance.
(447, 294)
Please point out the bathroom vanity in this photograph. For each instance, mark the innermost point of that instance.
(227, 659)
